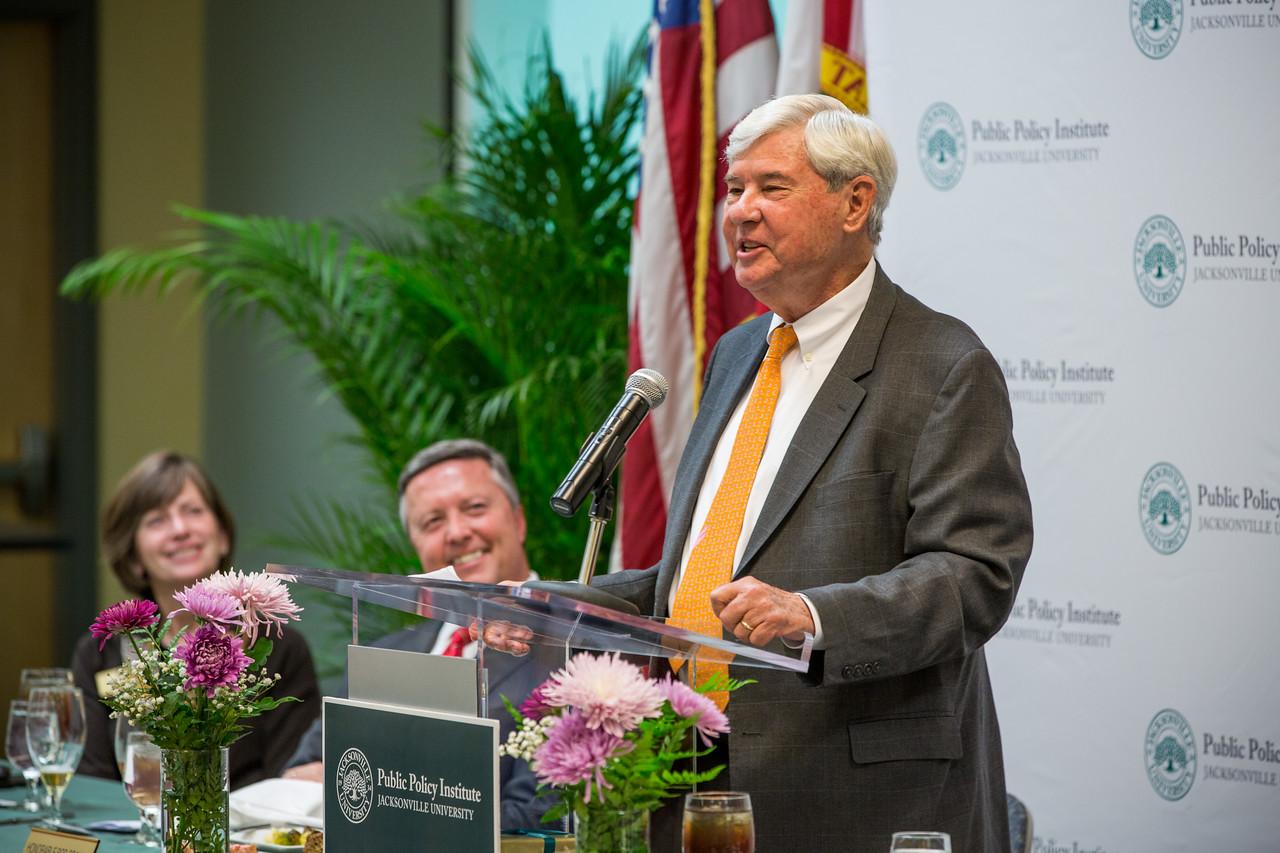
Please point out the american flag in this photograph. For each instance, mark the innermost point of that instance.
(709, 65)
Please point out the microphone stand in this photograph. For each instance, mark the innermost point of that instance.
(600, 513)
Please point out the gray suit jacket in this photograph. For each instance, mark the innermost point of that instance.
(514, 678)
(901, 511)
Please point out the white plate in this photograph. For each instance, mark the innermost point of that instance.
(280, 802)
(262, 838)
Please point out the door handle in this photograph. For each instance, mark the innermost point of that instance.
(30, 472)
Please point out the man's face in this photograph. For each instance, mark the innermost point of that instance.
(784, 230)
(458, 515)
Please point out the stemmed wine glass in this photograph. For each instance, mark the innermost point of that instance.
(15, 749)
(55, 739)
(142, 784)
(53, 676)
(138, 758)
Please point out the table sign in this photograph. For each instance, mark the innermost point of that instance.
(401, 778)
(52, 841)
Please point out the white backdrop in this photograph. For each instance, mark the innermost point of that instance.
(1124, 270)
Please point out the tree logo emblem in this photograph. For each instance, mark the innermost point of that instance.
(354, 781)
(1156, 26)
(1170, 749)
(1164, 508)
(1159, 261)
(941, 145)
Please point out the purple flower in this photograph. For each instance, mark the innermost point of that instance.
(575, 752)
(210, 605)
(611, 694)
(264, 597)
(536, 706)
(124, 617)
(687, 702)
(213, 658)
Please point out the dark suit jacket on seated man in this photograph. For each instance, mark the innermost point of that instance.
(888, 515)
(459, 505)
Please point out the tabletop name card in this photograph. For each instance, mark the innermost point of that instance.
(51, 841)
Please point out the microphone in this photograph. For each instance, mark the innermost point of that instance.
(646, 389)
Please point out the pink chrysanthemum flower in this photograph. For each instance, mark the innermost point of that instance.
(264, 597)
(210, 605)
(536, 706)
(124, 617)
(610, 693)
(213, 658)
(687, 702)
(576, 752)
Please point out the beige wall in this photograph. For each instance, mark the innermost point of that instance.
(151, 156)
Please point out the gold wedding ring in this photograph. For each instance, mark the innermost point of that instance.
(745, 624)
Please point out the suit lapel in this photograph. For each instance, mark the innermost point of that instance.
(828, 416)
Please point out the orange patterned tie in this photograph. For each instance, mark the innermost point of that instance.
(711, 561)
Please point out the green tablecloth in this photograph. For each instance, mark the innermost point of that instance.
(92, 800)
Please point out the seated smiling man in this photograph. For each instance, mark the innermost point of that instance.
(460, 507)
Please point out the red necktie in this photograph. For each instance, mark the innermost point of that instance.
(459, 641)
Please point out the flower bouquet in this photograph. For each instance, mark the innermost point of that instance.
(193, 696)
(608, 740)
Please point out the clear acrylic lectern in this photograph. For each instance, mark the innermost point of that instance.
(554, 621)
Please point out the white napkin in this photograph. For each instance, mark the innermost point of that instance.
(278, 801)
(448, 573)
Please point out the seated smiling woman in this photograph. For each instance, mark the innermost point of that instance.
(165, 528)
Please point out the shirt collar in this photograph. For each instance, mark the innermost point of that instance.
(832, 318)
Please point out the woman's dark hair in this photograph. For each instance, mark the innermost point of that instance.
(152, 484)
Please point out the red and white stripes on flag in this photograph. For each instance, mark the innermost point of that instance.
(710, 63)
(824, 50)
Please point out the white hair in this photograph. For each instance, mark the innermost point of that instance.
(840, 145)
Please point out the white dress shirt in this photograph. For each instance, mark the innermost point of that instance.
(822, 335)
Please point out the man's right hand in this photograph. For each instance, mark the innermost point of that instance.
(312, 772)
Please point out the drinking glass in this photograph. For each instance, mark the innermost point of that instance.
(15, 749)
(920, 842)
(55, 739)
(718, 822)
(53, 676)
(120, 741)
(142, 783)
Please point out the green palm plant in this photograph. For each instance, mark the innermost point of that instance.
(494, 307)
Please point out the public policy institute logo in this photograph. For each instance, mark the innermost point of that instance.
(1170, 749)
(1156, 25)
(355, 785)
(1164, 508)
(941, 146)
(1159, 261)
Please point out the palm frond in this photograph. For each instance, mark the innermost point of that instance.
(494, 307)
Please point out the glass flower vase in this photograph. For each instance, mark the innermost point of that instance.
(194, 800)
(604, 830)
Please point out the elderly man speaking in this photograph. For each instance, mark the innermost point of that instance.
(851, 474)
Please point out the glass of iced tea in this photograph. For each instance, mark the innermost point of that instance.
(718, 822)
(920, 842)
